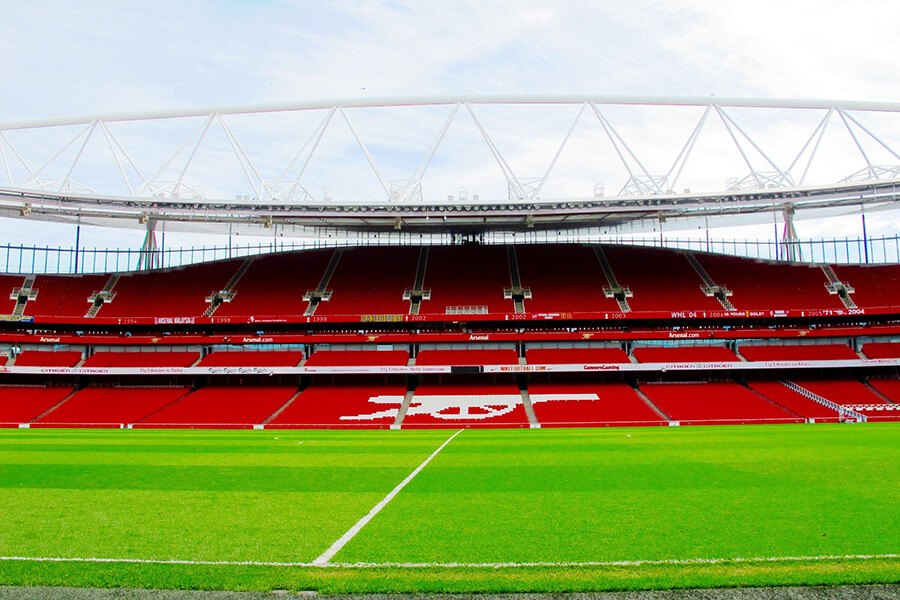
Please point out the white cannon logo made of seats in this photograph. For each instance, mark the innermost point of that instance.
(458, 407)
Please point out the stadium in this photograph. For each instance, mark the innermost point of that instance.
(420, 392)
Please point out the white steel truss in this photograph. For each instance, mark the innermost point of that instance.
(72, 171)
(762, 170)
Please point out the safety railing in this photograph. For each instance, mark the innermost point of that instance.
(24, 259)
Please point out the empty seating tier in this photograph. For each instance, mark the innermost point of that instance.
(661, 280)
(575, 356)
(371, 281)
(467, 278)
(465, 403)
(715, 404)
(466, 357)
(881, 350)
(222, 407)
(46, 358)
(757, 285)
(101, 360)
(874, 286)
(268, 358)
(358, 358)
(795, 352)
(688, 354)
(274, 285)
(890, 388)
(853, 395)
(178, 293)
(563, 278)
(64, 295)
(22, 404)
(8, 283)
(578, 404)
(110, 406)
(794, 402)
(356, 404)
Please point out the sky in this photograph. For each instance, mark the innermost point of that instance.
(94, 57)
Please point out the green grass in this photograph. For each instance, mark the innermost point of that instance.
(507, 496)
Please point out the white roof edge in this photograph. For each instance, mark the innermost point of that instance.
(438, 100)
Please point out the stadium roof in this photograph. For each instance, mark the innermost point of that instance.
(645, 200)
(637, 211)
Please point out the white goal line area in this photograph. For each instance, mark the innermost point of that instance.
(449, 565)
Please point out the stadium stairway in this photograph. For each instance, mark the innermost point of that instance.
(795, 402)
(23, 294)
(227, 293)
(529, 409)
(773, 402)
(516, 292)
(418, 293)
(710, 287)
(613, 290)
(52, 408)
(640, 393)
(878, 393)
(841, 410)
(280, 410)
(105, 295)
(162, 408)
(836, 286)
(404, 407)
(322, 293)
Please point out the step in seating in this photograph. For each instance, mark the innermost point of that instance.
(110, 406)
(3, 359)
(463, 402)
(718, 403)
(853, 395)
(687, 354)
(21, 404)
(249, 358)
(588, 404)
(763, 352)
(794, 402)
(575, 356)
(476, 357)
(48, 358)
(358, 358)
(221, 407)
(354, 404)
(100, 360)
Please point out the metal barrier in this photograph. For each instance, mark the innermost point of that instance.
(22, 259)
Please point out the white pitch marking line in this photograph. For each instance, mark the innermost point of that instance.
(335, 547)
(411, 565)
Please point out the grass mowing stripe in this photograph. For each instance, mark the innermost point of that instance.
(335, 548)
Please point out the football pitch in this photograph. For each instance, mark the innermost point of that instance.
(446, 511)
